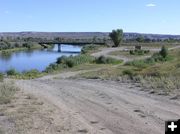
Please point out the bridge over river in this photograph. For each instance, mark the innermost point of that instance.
(72, 42)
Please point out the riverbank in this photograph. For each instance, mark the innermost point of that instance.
(19, 49)
(60, 102)
(138, 69)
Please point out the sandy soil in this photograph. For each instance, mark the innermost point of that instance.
(107, 107)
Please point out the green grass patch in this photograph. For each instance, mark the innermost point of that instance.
(157, 73)
(75, 60)
(12, 72)
(107, 72)
(155, 58)
(127, 54)
(22, 47)
(31, 74)
(88, 49)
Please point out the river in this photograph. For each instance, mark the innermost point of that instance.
(35, 59)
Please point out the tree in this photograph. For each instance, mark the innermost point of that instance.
(163, 52)
(140, 39)
(116, 36)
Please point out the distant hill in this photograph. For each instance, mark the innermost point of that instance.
(82, 35)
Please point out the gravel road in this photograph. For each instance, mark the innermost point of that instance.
(103, 107)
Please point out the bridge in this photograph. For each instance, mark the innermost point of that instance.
(62, 51)
(71, 42)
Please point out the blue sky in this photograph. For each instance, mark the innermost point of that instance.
(144, 16)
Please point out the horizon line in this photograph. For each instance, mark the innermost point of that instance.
(88, 32)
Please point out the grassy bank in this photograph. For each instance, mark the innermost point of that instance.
(6, 51)
(157, 73)
(152, 44)
(80, 62)
(131, 54)
(31, 74)
(89, 49)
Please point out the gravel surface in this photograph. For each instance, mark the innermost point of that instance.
(107, 107)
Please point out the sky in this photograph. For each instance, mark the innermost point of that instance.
(142, 16)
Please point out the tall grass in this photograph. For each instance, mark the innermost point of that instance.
(161, 56)
(107, 60)
(11, 72)
(162, 83)
(31, 74)
(75, 60)
(1, 77)
(90, 48)
(7, 91)
(149, 61)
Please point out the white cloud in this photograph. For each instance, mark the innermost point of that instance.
(150, 5)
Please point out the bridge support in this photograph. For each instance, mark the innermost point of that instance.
(59, 47)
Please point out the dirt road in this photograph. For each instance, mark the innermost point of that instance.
(103, 107)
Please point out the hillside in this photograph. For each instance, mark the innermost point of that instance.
(82, 35)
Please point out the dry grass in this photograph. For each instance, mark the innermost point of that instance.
(127, 54)
(27, 114)
(159, 77)
(7, 91)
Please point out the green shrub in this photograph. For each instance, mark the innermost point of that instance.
(164, 52)
(146, 51)
(88, 48)
(101, 60)
(51, 68)
(107, 60)
(137, 63)
(128, 72)
(61, 60)
(74, 60)
(150, 61)
(31, 74)
(1, 77)
(131, 52)
(55, 67)
(138, 52)
(12, 72)
(70, 63)
(156, 57)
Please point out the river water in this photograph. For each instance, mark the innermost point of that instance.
(35, 59)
